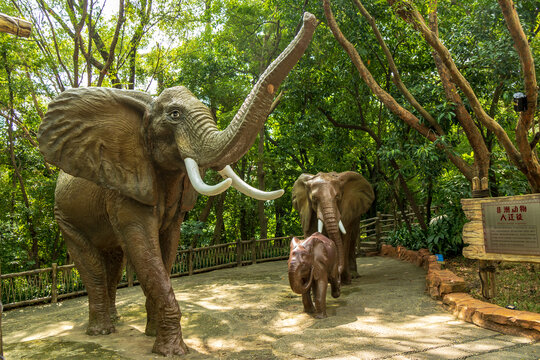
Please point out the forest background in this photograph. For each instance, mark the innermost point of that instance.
(386, 100)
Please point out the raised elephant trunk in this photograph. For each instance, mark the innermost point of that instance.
(232, 143)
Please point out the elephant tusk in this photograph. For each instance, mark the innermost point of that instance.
(192, 169)
(246, 189)
(342, 228)
(320, 226)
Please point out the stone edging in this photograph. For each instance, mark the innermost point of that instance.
(453, 291)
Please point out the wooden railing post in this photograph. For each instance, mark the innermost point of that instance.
(253, 251)
(190, 261)
(378, 230)
(239, 253)
(129, 273)
(54, 283)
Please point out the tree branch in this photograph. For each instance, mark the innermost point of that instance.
(386, 98)
(526, 117)
(408, 12)
(396, 77)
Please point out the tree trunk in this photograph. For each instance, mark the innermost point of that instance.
(410, 197)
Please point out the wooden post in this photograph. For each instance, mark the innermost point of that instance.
(486, 268)
(15, 26)
(253, 251)
(239, 253)
(378, 230)
(190, 261)
(129, 273)
(54, 283)
(486, 271)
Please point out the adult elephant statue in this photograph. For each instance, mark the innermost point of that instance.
(333, 203)
(131, 170)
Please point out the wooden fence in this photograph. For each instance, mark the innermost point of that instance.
(59, 282)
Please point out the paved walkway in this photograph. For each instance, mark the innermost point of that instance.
(251, 313)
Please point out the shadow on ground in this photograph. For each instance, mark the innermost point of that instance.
(251, 313)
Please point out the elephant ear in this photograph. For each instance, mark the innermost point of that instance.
(301, 200)
(357, 195)
(97, 134)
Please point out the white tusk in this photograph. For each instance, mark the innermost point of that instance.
(342, 228)
(247, 189)
(198, 183)
(320, 226)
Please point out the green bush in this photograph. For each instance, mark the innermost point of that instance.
(442, 237)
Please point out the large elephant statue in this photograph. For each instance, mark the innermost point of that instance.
(313, 263)
(333, 203)
(131, 170)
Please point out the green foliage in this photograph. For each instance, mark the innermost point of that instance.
(443, 236)
(412, 240)
(196, 230)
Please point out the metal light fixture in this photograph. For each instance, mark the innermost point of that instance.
(520, 102)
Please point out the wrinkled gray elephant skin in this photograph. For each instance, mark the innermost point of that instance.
(130, 171)
(313, 263)
(333, 204)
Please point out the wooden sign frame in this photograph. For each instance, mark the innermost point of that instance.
(474, 233)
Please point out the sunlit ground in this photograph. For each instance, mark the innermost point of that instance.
(251, 313)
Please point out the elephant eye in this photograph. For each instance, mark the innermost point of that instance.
(175, 114)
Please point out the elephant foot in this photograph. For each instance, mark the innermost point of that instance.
(354, 274)
(151, 328)
(114, 315)
(170, 346)
(346, 279)
(336, 291)
(100, 329)
(320, 315)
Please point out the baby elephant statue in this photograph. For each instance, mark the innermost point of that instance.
(312, 264)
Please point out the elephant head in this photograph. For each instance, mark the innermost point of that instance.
(327, 201)
(300, 266)
(122, 139)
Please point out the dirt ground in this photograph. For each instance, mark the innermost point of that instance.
(251, 313)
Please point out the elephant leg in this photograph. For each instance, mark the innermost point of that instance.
(319, 292)
(353, 270)
(308, 304)
(168, 241)
(138, 228)
(91, 267)
(114, 263)
(335, 285)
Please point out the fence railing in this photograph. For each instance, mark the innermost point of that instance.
(59, 282)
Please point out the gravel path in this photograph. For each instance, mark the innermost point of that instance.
(251, 313)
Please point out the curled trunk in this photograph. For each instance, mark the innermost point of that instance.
(297, 282)
(229, 145)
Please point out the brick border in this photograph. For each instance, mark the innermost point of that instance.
(453, 291)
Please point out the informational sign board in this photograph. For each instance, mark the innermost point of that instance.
(502, 228)
(512, 227)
